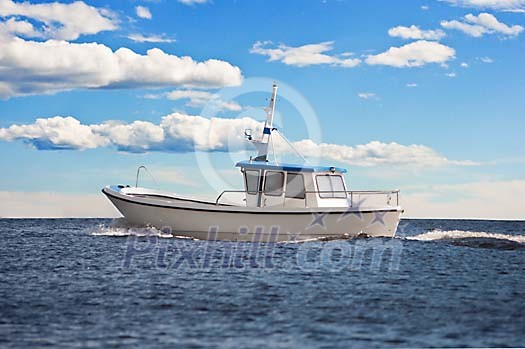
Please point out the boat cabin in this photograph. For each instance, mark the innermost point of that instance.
(293, 186)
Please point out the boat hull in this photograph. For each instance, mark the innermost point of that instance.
(212, 222)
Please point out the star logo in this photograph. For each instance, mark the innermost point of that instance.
(379, 217)
(318, 219)
(353, 209)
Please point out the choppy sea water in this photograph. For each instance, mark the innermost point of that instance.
(67, 283)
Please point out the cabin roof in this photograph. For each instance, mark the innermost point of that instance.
(262, 165)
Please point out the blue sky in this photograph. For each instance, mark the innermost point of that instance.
(424, 96)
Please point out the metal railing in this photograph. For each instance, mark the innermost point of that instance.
(355, 196)
(142, 167)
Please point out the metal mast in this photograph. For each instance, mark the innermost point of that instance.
(263, 145)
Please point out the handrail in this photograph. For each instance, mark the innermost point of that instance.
(142, 167)
(351, 192)
(138, 172)
(227, 191)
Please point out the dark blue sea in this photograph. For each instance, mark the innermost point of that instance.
(92, 283)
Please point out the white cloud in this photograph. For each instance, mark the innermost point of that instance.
(138, 136)
(149, 38)
(302, 56)
(227, 105)
(31, 67)
(176, 133)
(472, 30)
(498, 5)
(62, 21)
(493, 25)
(469, 200)
(154, 95)
(198, 99)
(143, 12)
(486, 60)
(56, 132)
(411, 84)
(366, 95)
(451, 75)
(464, 65)
(414, 32)
(192, 2)
(18, 27)
(425, 8)
(186, 133)
(415, 54)
(201, 98)
(484, 23)
(377, 153)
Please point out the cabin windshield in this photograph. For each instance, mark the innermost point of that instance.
(273, 184)
(294, 186)
(252, 181)
(330, 186)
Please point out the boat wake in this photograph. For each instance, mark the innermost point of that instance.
(120, 227)
(473, 239)
(461, 234)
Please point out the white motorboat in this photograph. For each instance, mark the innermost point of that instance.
(281, 202)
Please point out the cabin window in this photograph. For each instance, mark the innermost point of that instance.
(294, 186)
(273, 183)
(252, 181)
(330, 186)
